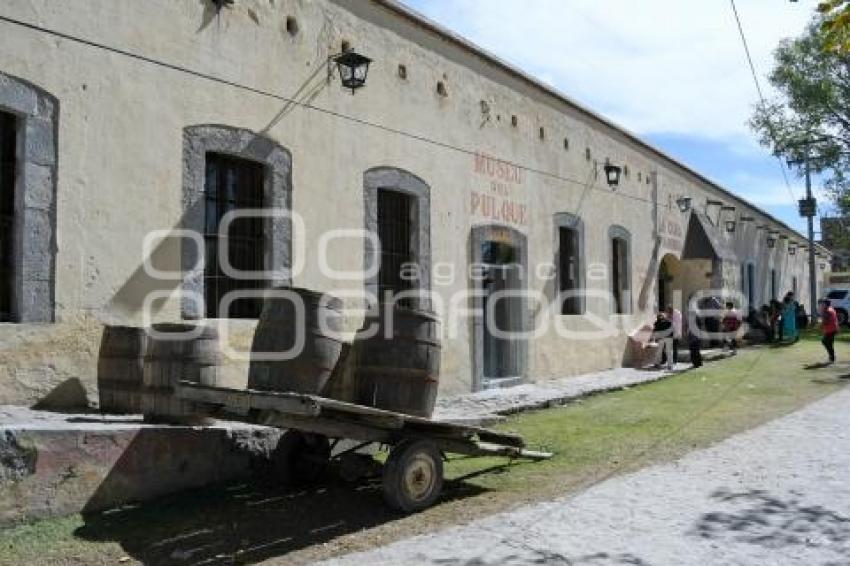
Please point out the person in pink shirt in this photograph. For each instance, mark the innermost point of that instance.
(829, 328)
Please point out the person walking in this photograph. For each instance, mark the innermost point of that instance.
(694, 349)
(675, 318)
(829, 328)
(789, 318)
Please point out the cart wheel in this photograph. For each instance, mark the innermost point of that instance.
(413, 476)
(301, 457)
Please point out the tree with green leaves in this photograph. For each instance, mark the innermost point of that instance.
(813, 105)
(835, 25)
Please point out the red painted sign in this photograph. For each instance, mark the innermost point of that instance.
(496, 202)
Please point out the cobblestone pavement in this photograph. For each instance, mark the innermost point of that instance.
(778, 494)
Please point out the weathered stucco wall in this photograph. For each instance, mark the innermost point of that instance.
(121, 151)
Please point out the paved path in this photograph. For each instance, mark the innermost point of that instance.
(779, 494)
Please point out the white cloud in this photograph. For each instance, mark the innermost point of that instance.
(655, 66)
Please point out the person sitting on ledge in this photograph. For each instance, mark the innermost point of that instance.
(662, 334)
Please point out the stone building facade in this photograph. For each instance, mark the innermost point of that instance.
(125, 121)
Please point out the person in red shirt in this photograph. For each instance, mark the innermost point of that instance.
(829, 328)
(731, 325)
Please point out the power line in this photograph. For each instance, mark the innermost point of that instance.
(305, 105)
(760, 93)
(309, 106)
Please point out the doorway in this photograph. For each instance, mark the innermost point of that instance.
(499, 255)
(500, 275)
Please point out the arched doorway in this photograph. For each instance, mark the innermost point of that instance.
(669, 284)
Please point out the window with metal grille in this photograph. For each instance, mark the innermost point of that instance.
(8, 137)
(233, 184)
(395, 231)
(620, 275)
(569, 264)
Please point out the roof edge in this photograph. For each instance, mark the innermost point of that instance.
(423, 21)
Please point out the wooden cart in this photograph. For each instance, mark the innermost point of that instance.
(413, 473)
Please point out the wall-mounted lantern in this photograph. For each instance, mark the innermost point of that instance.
(219, 4)
(353, 69)
(771, 240)
(792, 248)
(684, 203)
(612, 175)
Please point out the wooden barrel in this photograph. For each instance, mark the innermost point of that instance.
(170, 358)
(398, 368)
(306, 370)
(341, 385)
(120, 362)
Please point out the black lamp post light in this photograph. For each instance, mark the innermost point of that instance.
(612, 175)
(353, 69)
(684, 203)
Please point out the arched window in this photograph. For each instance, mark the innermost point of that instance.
(398, 210)
(28, 140)
(621, 269)
(229, 169)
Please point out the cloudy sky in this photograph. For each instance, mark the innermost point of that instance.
(672, 71)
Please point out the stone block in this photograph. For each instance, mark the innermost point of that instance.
(40, 142)
(40, 186)
(18, 96)
(53, 465)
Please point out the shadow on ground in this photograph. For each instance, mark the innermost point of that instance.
(246, 522)
(759, 518)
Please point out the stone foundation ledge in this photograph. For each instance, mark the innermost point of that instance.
(491, 406)
(54, 464)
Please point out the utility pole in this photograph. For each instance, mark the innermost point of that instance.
(809, 209)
